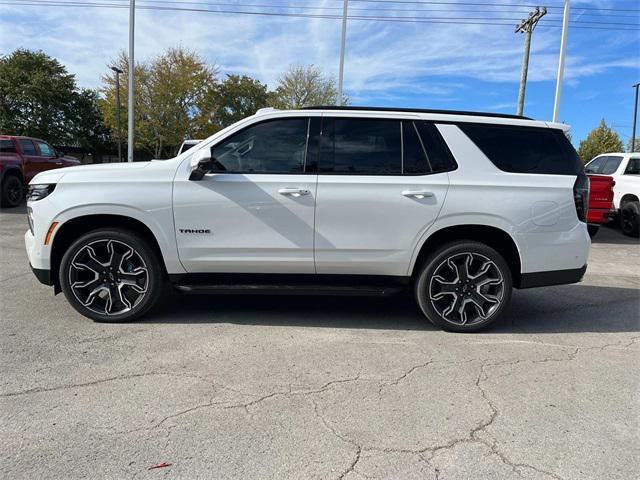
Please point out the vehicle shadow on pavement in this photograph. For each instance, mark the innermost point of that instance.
(21, 209)
(610, 234)
(571, 308)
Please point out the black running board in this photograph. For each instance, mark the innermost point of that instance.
(284, 289)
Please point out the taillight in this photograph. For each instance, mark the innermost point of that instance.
(581, 196)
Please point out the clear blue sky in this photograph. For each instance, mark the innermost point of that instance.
(430, 65)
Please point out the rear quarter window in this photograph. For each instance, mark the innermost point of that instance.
(525, 149)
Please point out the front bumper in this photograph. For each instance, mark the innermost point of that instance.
(43, 276)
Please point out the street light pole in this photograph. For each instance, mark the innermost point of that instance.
(118, 72)
(563, 50)
(132, 67)
(345, 7)
(635, 117)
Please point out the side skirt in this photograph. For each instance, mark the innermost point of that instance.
(287, 284)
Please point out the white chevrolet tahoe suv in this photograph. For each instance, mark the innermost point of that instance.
(624, 168)
(460, 207)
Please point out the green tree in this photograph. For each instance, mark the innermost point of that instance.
(89, 130)
(636, 145)
(169, 95)
(37, 97)
(304, 86)
(601, 139)
(232, 100)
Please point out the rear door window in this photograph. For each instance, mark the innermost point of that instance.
(611, 165)
(361, 146)
(525, 149)
(414, 157)
(28, 148)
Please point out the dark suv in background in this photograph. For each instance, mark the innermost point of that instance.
(21, 158)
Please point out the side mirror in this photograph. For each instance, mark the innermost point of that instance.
(204, 166)
(59, 154)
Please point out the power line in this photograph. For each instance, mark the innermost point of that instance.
(369, 9)
(81, 3)
(305, 7)
(429, 20)
(428, 2)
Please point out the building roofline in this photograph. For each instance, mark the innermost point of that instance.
(417, 110)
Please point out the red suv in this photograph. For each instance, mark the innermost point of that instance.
(21, 158)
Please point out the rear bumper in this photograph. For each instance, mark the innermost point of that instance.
(555, 277)
(598, 216)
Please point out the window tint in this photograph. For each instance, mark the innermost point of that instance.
(440, 158)
(46, 150)
(633, 167)
(595, 166)
(362, 146)
(7, 146)
(611, 165)
(28, 148)
(414, 158)
(525, 149)
(276, 146)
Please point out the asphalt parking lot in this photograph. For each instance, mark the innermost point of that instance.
(300, 387)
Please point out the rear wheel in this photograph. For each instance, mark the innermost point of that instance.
(111, 276)
(630, 219)
(12, 191)
(463, 286)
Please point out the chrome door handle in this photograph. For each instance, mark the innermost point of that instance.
(417, 193)
(294, 192)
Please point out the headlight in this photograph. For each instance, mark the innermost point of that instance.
(40, 191)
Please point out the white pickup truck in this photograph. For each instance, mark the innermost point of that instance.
(625, 170)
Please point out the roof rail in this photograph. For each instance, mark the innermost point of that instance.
(264, 110)
(418, 110)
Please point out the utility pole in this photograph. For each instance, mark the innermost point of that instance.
(343, 39)
(563, 50)
(117, 71)
(635, 117)
(132, 67)
(527, 26)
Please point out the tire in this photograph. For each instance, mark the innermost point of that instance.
(12, 191)
(111, 275)
(630, 219)
(442, 283)
(593, 230)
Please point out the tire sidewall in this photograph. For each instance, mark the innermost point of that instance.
(632, 209)
(431, 263)
(156, 275)
(5, 183)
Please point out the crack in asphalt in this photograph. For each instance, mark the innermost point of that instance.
(471, 436)
(403, 376)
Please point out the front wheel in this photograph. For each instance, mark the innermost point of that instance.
(463, 286)
(111, 276)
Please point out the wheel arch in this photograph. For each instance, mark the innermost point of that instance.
(628, 197)
(71, 229)
(494, 237)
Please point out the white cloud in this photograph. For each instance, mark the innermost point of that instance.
(383, 59)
